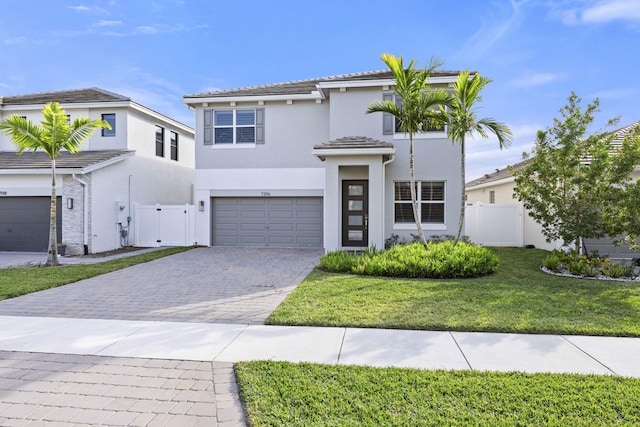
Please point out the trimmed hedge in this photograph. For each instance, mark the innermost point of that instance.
(441, 260)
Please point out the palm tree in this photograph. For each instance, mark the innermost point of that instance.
(53, 135)
(462, 122)
(417, 112)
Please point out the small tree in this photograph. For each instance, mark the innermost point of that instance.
(579, 187)
(54, 134)
(462, 122)
(416, 113)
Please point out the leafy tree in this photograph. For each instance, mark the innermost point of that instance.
(54, 134)
(462, 122)
(579, 186)
(417, 112)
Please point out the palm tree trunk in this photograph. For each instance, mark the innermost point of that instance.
(52, 257)
(414, 196)
(462, 198)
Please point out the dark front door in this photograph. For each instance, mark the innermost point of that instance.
(355, 213)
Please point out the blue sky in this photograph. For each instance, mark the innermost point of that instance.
(536, 52)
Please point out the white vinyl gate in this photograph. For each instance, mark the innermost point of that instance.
(164, 225)
(495, 224)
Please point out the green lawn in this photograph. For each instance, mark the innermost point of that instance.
(24, 280)
(518, 298)
(285, 394)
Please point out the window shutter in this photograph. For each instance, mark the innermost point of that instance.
(208, 127)
(388, 125)
(259, 125)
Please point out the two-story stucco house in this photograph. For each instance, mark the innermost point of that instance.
(301, 164)
(145, 158)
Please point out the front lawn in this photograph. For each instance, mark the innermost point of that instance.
(280, 393)
(517, 298)
(16, 281)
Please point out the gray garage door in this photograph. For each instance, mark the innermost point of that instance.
(268, 221)
(24, 223)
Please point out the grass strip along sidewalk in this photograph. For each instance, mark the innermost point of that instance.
(280, 393)
(518, 298)
(16, 281)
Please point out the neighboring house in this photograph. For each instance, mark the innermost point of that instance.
(301, 164)
(498, 187)
(145, 158)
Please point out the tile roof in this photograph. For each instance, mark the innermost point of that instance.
(496, 175)
(64, 160)
(88, 95)
(353, 142)
(304, 86)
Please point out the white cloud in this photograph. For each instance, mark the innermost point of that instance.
(104, 23)
(612, 10)
(15, 40)
(597, 12)
(491, 31)
(529, 79)
(80, 8)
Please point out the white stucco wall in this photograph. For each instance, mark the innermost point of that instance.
(172, 186)
(258, 182)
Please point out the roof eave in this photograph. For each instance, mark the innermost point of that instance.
(323, 153)
(193, 101)
(501, 181)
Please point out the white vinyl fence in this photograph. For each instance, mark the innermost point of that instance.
(164, 225)
(495, 224)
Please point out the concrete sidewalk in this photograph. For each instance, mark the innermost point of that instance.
(87, 372)
(349, 346)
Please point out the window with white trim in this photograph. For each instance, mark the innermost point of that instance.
(234, 126)
(431, 202)
(239, 127)
(492, 196)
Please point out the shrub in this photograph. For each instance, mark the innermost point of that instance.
(338, 261)
(552, 262)
(613, 270)
(441, 260)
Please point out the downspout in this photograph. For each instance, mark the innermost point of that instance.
(384, 186)
(85, 209)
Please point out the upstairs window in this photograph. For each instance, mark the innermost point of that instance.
(431, 202)
(111, 119)
(159, 141)
(492, 196)
(174, 146)
(233, 127)
(392, 126)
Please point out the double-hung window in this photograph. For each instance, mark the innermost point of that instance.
(233, 127)
(159, 141)
(431, 202)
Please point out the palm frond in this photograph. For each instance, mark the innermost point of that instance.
(24, 133)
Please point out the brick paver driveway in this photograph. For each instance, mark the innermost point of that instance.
(211, 285)
(208, 285)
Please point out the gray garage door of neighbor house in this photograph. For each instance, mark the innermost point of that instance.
(267, 221)
(24, 223)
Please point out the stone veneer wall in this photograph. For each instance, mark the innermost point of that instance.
(73, 219)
